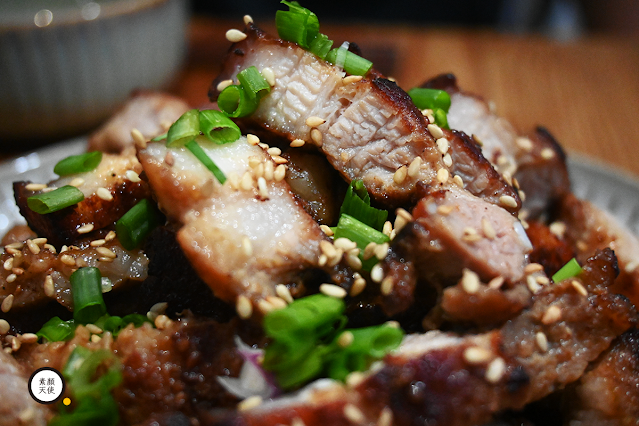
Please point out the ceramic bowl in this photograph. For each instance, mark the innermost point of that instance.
(66, 65)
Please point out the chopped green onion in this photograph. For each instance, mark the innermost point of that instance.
(86, 287)
(52, 201)
(94, 404)
(217, 127)
(253, 83)
(321, 46)
(186, 128)
(362, 235)
(425, 98)
(440, 118)
(57, 330)
(569, 270)
(78, 163)
(201, 155)
(357, 203)
(235, 102)
(352, 63)
(160, 137)
(136, 224)
(298, 24)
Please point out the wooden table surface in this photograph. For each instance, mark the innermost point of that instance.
(586, 92)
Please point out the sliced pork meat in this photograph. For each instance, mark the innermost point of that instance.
(443, 379)
(368, 128)
(35, 273)
(109, 191)
(608, 393)
(18, 408)
(550, 247)
(588, 228)
(243, 237)
(172, 368)
(151, 113)
(537, 162)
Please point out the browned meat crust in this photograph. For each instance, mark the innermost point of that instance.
(164, 370)
(149, 112)
(549, 249)
(608, 394)
(441, 379)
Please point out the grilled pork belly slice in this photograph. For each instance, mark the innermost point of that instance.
(243, 237)
(443, 379)
(109, 191)
(536, 161)
(151, 113)
(35, 273)
(588, 228)
(608, 393)
(172, 368)
(368, 128)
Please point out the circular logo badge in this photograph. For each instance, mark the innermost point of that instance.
(46, 385)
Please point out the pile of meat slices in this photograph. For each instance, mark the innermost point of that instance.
(482, 218)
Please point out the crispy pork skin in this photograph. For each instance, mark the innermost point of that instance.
(588, 228)
(243, 237)
(109, 191)
(440, 378)
(149, 112)
(608, 393)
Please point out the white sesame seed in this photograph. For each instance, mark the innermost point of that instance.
(326, 230)
(369, 250)
(262, 145)
(4, 326)
(496, 282)
(269, 170)
(524, 143)
(470, 281)
(435, 130)
(262, 188)
(358, 286)
(132, 176)
(49, 288)
(269, 76)
(94, 329)
(282, 291)
(542, 341)
(558, 229)
(386, 286)
(488, 229)
(495, 370)
(354, 414)
(542, 279)
(442, 175)
(50, 248)
(11, 278)
(253, 140)
(385, 417)
(104, 194)
(579, 288)
(531, 268)
(138, 139)
(248, 19)
(249, 403)
(458, 180)
(76, 182)
(631, 267)
(110, 236)
(345, 244)
(247, 247)
(279, 173)
(223, 84)
(333, 291)
(279, 160)
(388, 228)
(316, 136)
(15, 344)
(448, 160)
(552, 315)
(85, 229)
(162, 321)
(400, 175)
(475, 355)
(323, 259)
(444, 209)
(508, 201)
(105, 252)
(352, 79)
(547, 153)
(35, 186)
(400, 212)
(332, 261)
(297, 422)
(345, 339)
(7, 303)
(377, 273)
(276, 302)
(8, 264)
(247, 181)
(414, 167)
(442, 145)
(296, 143)
(314, 121)
(274, 151)
(97, 243)
(532, 284)
(243, 307)
(33, 247)
(235, 36)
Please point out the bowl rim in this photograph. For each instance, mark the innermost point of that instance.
(72, 16)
